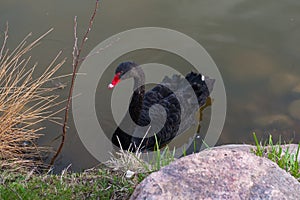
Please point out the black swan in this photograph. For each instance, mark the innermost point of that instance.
(165, 94)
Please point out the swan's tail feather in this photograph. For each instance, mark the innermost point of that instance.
(201, 85)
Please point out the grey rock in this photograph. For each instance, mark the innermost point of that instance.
(227, 172)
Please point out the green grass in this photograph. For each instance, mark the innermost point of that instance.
(101, 183)
(110, 182)
(161, 158)
(284, 158)
(93, 184)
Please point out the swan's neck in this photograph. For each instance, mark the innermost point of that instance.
(136, 103)
(139, 78)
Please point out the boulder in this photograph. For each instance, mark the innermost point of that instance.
(227, 172)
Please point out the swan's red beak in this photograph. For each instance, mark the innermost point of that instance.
(115, 81)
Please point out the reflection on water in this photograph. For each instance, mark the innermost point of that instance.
(255, 44)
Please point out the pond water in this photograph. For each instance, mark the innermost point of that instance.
(255, 44)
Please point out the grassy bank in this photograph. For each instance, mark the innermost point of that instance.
(111, 181)
(101, 183)
(114, 180)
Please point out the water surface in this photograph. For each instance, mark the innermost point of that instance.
(255, 44)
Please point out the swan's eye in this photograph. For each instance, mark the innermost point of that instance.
(120, 73)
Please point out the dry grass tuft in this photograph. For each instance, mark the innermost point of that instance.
(24, 102)
(126, 160)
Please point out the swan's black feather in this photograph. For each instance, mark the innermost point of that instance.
(168, 94)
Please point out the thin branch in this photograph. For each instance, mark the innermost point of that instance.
(75, 47)
(76, 60)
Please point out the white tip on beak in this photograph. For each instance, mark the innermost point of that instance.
(110, 86)
(202, 78)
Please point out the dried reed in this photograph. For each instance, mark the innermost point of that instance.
(24, 103)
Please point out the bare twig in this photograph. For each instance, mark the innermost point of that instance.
(75, 47)
(76, 60)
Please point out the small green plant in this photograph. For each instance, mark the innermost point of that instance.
(283, 157)
(161, 158)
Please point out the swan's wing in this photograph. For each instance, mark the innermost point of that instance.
(180, 98)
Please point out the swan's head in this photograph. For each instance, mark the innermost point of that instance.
(124, 71)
